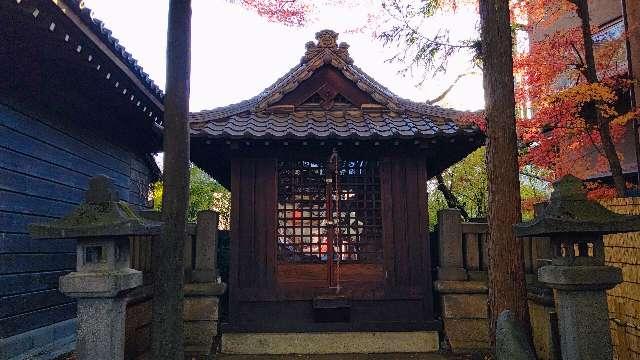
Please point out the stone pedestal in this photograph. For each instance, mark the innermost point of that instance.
(203, 290)
(102, 305)
(201, 304)
(464, 313)
(100, 333)
(581, 303)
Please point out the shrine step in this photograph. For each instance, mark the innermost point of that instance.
(331, 309)
(330, 343)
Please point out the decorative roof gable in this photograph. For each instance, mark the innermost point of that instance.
(327, 45)
(333, 95)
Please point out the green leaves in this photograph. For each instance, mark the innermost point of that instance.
(205, 193)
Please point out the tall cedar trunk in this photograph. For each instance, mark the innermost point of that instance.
(507, 287)
(167, 340)
(632, 24)
(632, 8)
(582, 9)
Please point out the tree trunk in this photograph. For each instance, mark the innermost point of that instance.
(632, 25)
(167, 340)
(507, 287)
(582, 9)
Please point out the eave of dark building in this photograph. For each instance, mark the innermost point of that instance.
(65, 62)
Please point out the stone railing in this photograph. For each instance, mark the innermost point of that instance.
(201, 291)
(462, 285)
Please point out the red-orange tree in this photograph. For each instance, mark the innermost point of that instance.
(568, 88)
(573, 87)
(288, 12)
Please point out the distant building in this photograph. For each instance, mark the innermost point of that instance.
(73, 104)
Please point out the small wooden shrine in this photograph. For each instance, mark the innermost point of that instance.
(328, 173)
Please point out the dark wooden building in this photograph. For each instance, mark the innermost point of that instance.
(73, 104)
(328, 173)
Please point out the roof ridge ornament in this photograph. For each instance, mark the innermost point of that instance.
(327, 43)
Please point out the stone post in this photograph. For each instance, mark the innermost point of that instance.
(102, 226)
(206, 269)
(204, 288)
(450, 245)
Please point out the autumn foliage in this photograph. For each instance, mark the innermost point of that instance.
(288, 12)
(559, 106)
(566, 104)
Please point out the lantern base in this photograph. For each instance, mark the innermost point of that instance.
(106, 284)
(580, 278)
(581, 303)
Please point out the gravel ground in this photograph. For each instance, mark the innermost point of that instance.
(353, 357)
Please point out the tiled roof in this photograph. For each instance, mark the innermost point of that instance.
(98, 27)
(252, 118)
(326, 124)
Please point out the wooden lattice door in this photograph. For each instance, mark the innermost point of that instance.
(329, 223)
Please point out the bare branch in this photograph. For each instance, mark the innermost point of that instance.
(440, 97)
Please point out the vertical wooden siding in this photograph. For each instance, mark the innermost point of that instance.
(405, 225)
(254, 204)
(44, 171)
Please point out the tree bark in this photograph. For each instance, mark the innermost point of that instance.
(631, 11)
(507, 287)
(608, 146)
(167, 340)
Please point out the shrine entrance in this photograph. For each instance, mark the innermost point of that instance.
(330, 225)
(328, 175)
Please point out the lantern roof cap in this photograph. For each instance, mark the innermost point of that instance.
(102, 214)
(570, 211)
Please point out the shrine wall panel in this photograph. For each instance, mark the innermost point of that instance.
(405, 225)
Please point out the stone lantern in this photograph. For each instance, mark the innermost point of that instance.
(102, 226)
(577, 273)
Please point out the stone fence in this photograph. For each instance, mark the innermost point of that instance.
(202, 289)
(462, 286)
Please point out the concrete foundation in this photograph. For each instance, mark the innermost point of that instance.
(330, 342)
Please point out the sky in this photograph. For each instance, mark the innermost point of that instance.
(236, 53)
